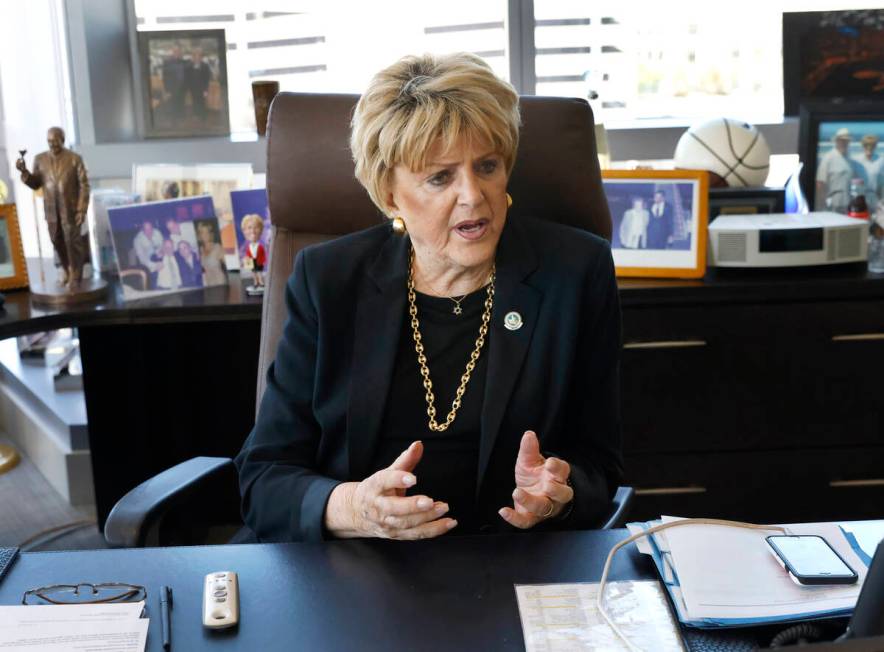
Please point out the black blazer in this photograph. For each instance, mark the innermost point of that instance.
(326, 390)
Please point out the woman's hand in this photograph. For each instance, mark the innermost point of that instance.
(378, 506)
(542, 489)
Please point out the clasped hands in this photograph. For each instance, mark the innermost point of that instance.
(378, 506)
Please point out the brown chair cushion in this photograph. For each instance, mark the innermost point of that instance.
(314, 196)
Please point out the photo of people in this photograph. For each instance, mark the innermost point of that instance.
(651, 215)
(159, 246)
(848, 155)
(657, 217)
(161, 182)
(186, 82)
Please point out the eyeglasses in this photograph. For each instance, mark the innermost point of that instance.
(85, 593)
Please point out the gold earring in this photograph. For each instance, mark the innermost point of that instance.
(399, 226)
(509, 200)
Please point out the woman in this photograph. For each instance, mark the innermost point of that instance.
(189, 265)
(456, 372)
(211, 253)
(634, 227)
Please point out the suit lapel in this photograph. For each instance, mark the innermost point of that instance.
(377, 328)
(507, 348)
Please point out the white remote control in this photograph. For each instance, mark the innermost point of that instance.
(220, 600)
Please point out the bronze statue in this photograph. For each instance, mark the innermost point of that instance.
(62, 176)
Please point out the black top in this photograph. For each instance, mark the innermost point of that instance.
(556, 373)
(449, 467)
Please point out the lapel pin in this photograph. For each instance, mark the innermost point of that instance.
(512, 321)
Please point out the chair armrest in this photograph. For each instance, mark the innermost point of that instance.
(619, 507)
(143, 507)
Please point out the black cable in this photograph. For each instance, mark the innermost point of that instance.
(797, 634)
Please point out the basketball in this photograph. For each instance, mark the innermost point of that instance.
(733, 150)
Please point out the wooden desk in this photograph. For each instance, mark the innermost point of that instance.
(452, 593)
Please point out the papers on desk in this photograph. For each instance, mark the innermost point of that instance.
(864, 537)
(60, 628)
(564, 617)
(721, 576)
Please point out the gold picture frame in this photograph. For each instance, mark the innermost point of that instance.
(665, 239)
(13, 268)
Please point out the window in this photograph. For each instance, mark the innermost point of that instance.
(332, 45)
(695, 59)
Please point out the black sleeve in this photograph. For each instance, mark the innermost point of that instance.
(594, 447)
(283, 496)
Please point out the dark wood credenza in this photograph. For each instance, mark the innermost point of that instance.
(745, 395)
(755, 395)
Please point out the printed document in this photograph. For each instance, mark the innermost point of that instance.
(564, 617)
(63, 628)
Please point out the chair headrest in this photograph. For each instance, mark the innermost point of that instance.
(312, 188)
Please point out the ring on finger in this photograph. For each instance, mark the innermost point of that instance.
(549, 509)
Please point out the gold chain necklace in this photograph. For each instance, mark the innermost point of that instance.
(422, 359)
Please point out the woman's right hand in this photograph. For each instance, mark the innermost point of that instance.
(378, 506)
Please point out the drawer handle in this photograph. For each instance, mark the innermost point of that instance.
(670, 491)
(665, 344)
(841, 484)
(859, 337)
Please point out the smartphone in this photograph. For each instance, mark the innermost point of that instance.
(810, 560)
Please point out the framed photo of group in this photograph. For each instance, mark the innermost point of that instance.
(13, 270)
(841, 147)
(184, 82)
(659, 219)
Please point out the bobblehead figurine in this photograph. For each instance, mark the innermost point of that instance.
(255, 257)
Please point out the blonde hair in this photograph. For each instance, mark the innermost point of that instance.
(249, 219)
(419, 100)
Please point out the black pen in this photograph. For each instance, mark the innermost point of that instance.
(166, 615)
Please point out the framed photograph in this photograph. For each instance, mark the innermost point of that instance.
(832, 55)
(248, 203)
(659, 220)
(745, 201)
(162, 182)
(13, 269)
(184, 83)
(165, 247)
(841, 145)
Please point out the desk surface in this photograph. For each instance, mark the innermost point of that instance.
(230, 302)
(453, 593)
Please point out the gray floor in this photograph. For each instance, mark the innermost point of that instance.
(29, 505)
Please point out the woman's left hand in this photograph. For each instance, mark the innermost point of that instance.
(542, 489)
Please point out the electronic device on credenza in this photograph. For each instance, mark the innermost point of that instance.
(787, 240)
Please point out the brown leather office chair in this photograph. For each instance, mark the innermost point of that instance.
(314, 196)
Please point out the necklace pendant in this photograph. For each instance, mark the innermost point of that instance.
(456, 310)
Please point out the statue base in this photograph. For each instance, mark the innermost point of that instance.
(9, 458)
(53, 293)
